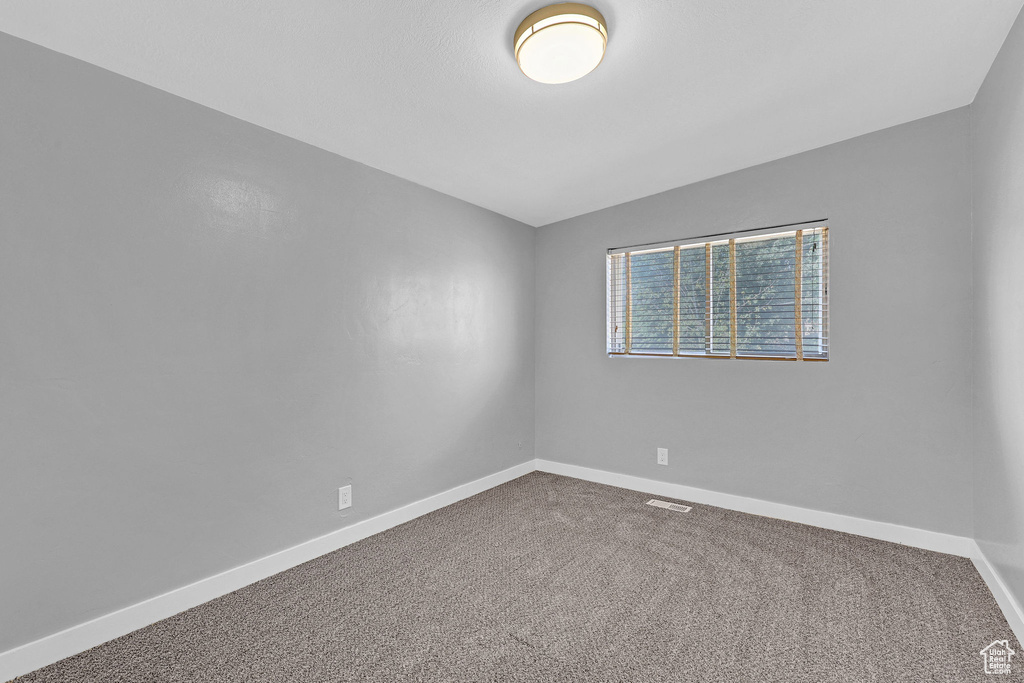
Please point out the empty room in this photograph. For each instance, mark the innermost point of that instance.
(476, 341)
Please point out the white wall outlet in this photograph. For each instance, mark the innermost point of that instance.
(662, 456)
(345, 497)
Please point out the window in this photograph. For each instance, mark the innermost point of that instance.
(762, 296)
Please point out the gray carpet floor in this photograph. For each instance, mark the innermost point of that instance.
(548, 578)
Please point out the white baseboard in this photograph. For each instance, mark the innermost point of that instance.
(50, 649)
(895, 533)
(1011, 608)
(53, 648)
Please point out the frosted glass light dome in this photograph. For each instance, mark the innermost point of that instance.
(561, 43)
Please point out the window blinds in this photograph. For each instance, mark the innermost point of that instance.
(763, 296)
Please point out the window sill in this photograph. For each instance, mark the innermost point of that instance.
(715, 357)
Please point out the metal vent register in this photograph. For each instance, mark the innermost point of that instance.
(669, 506)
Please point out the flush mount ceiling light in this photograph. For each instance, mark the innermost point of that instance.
(561, 43)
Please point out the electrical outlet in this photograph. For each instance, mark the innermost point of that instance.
(662, 456)
(345, 497)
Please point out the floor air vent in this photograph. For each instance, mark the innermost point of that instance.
(669, 506)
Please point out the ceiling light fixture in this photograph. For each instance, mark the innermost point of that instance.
(561, 43)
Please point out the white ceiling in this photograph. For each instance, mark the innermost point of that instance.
(429, 90)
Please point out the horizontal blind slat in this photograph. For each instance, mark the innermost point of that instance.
(696, 300)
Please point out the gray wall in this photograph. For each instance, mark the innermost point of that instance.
(881, 431)
(997, 117)
(206, 328)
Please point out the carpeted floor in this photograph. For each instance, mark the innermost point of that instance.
(548, 578)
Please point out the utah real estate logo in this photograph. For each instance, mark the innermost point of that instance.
(997, 657)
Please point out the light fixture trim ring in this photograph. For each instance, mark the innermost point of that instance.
(556, 10)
